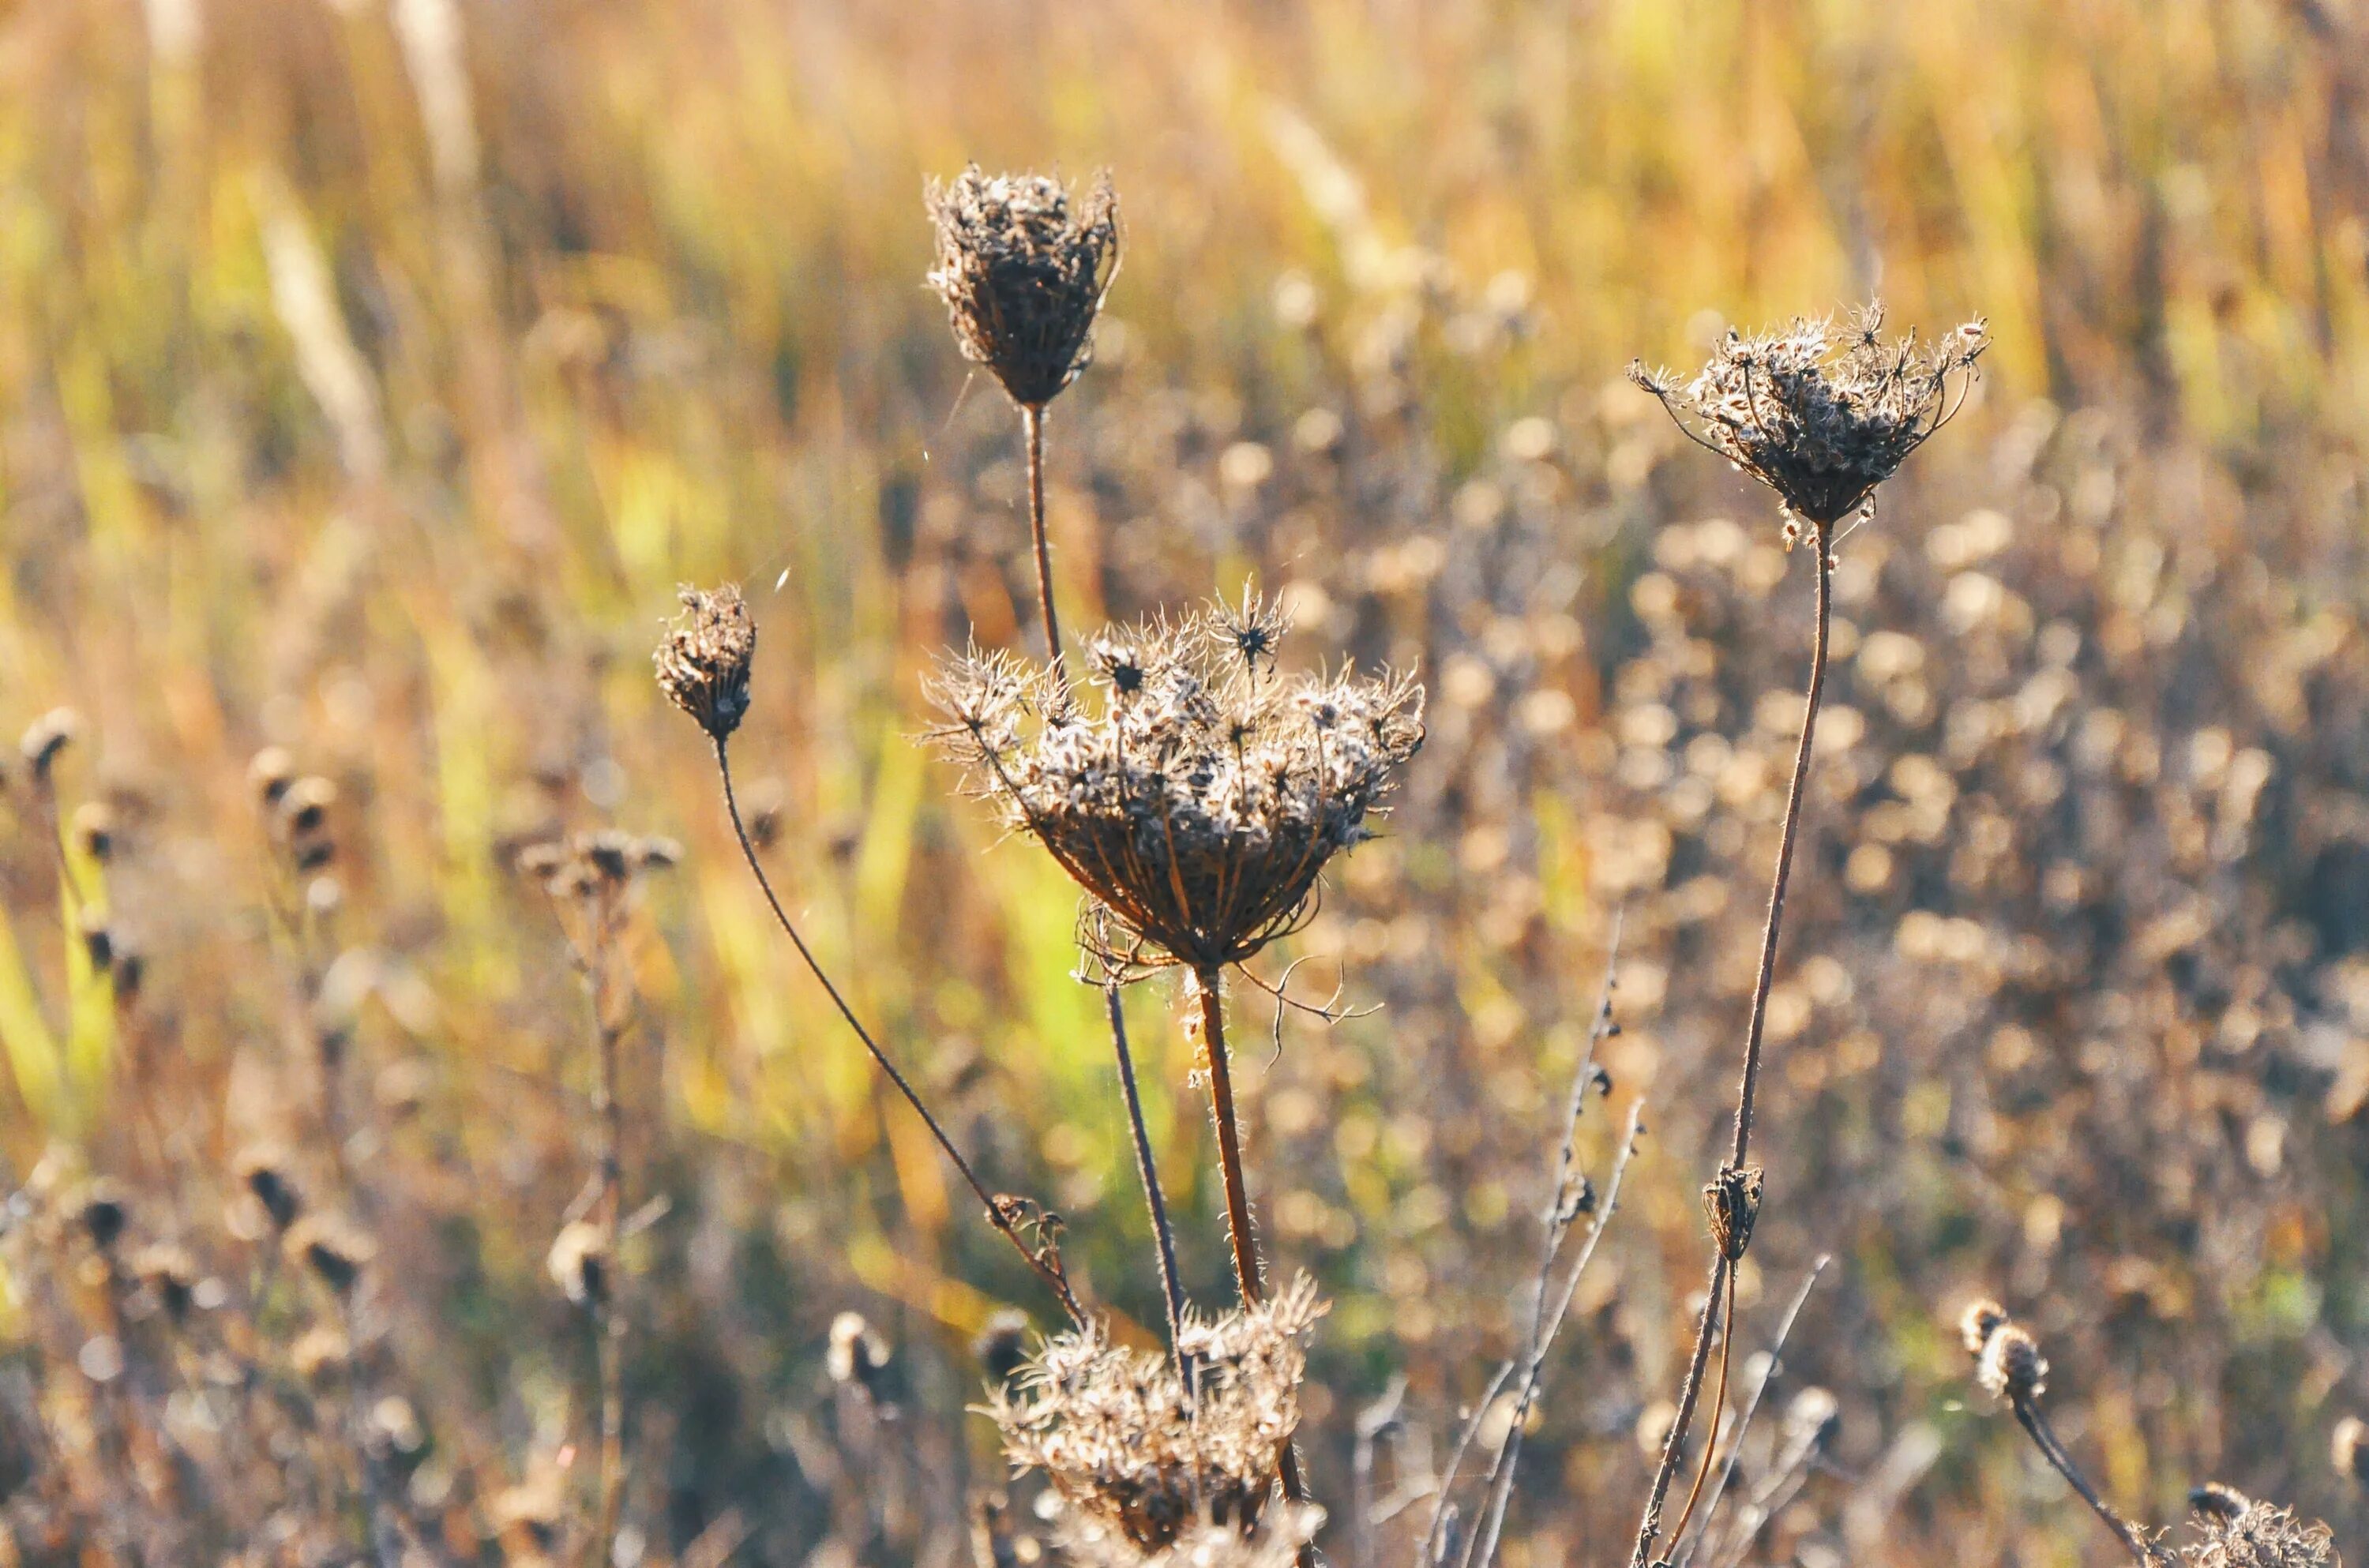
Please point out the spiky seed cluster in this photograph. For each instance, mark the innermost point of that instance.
(1199, 806)
(1820, 414)
(702, 665)
(1022, 267)
(2008, 1363)
(1134, 1455)
(2236, 1531)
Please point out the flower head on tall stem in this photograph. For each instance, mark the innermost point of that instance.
(703, 664)
(1023, 265)
(1199, 806)
(1819, 413)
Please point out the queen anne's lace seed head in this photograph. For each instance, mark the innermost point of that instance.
(1022, 267)
(702, 665)
(2238, 1532)
(1199, 806)
(1145, 1467)
(1822, 414)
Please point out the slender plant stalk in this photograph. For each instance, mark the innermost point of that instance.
(998, 1212)
(1751, 1408)
(1033, 418)
(1171, 1291)
(1649, 1526)
(1238, 1196)
(610, 1320)
(2029, 1414)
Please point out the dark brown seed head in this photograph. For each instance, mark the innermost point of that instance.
(1974, 1328)
(94, 830)
(335, 1253)
(269, 775)
(1003, 1346)
(2218, 1500)
(265, 1174)
(1732, 1203)
(702, 665)
(105, 1212)
(171, 1273)
(1023, 265)
(858, 1355)
(2011, 1366)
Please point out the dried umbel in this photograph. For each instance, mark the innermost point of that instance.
(1822, 414)
(702, 665)
(1199, 806)
(1023, 265)
(2237, 1532)
(1136, 1457)
(585, 866)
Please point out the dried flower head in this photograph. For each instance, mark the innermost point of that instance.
(335, 1251)
(105, 1212)
(170, 1275)
(1199, 807)
(585, 866)
(1822, 414)
(1275, 1541)
(2011, 1366)
(1002, 1345)
(2348, 1448)
(268, 774)
(704, 663)
(264, 1171)
(94, 830)
(1982, 1317)
(1732, 1203)
(1132, 1453)
(1022, 267)
(45, 738)
(858, 1354)
(578, 1262)
(2237, 1532)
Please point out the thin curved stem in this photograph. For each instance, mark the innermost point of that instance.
(1048, 1271)
(1033, 419)
(1171, 1292)
(2028, 1414)
(1755, 1028)
(1718, 1407)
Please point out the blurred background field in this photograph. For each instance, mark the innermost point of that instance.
(372, 374)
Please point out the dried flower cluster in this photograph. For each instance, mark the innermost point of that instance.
(2008, 1363)
(704, 663)
(1135, 1452)
(1022, 267)
(1822, 416)
(1199, 807)
(2238, 1532)
(587, 864)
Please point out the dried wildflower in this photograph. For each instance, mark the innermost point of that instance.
(1022, 267)
(264, 1171)
(586, 864)
(335, 1251)
(45, 738)
(702, 665)
(270, 773)
(1982, 1318)
(94, 830)
(104, 1214)
(1132, 1452)
(2348, 1448)
(1002, 1345)
(170, 1275)
(578, 1262)
(1199, 807)
(1276, 1541)
(1822, 415)
(1732, 1203)
(858, 1354)
(2237, 1533)
(2011, 1366)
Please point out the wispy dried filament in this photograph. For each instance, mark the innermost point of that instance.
(1198, 807)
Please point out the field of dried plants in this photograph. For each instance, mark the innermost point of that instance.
(439, 1127)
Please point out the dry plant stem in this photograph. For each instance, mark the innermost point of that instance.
(1172, 1293)
(1649, 1526)
(1751, 1408)
(1033, 417)
(610, 1319)
(996, 1215)
(1238, 1197)
(2029, 1415)
(1718, 1406)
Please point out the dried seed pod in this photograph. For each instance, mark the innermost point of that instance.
(1732, 1203)
(579, 1263)
(2218, 1500)
(103, 1213)
(170, 1274)
(266, 1173)
(1022, 267)
(268, 774)
(335, 1251)
(2011, 1366)
(1981, 1317)
(1001, 1345)
(702, 665)
(94, 830)
(858, 1355)
(46, 737)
